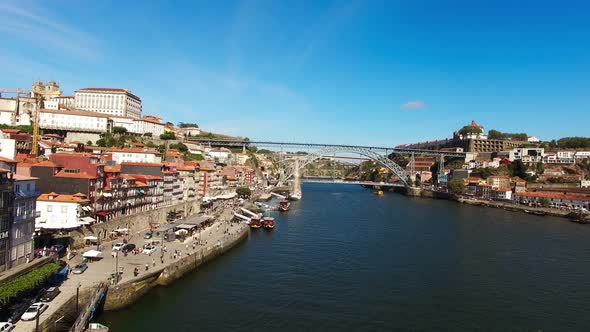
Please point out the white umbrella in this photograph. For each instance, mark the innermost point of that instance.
(92, 254)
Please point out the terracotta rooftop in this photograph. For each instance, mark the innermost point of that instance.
(47, 163)
(81, 175)
(79, 113)
(63, 198)
(119, 90)
(553, 195)
(129, 163)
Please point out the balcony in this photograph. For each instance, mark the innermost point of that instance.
(26, 194)
(26, 216)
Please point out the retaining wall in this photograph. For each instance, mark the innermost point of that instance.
(128, 292)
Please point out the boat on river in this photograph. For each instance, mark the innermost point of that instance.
(255, 223)
(268, 222)
(379, 192)
(284, 205)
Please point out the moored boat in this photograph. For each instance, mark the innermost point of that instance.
(268, 222)
(379, 192)
(284, 205)
(255, 223)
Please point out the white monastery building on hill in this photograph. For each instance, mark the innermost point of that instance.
(110, 101)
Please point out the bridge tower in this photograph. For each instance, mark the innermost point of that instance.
(412, 168)
(296, 190)
(442, 177)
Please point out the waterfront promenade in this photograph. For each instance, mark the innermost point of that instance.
(99, 271)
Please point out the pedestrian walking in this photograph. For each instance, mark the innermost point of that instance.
(147, 266)
(153, 262)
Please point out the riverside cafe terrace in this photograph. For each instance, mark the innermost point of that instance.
(183, 228)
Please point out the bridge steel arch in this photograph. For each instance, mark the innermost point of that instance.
(396, 169)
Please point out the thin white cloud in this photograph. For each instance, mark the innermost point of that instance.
(38, 27)
(413, 105)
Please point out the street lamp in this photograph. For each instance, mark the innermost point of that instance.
(78, 298)
(116, 267)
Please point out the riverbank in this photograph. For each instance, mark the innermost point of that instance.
(509, 206)
(132, 290)
(156, 269)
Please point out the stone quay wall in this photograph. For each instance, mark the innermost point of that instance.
(128, 292)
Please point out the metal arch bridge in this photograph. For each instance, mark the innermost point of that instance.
(397, 170)
(386, 150)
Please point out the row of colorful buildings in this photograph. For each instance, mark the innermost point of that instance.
(69, 190)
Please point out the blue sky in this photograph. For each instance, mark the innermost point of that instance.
(355, 72)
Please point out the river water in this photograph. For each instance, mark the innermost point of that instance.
(345, 259)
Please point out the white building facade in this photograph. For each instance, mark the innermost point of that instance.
(135, 155)
(60, 211)
(74, 121)
(149, 124)
(111, 101)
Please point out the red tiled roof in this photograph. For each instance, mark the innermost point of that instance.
(47, 163)
(185, 168)
(10, 131)
(81, 175)
(129, 163)
(112, 169)
(79, 113)
(63, 198)
(119, 90)
(553, 195)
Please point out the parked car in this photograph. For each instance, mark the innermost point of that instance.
(5, 327)
(34, 310)
(50, 294)
(148, 235)
(118, 246)
(80, 268)
(127, 248)
(149, 249)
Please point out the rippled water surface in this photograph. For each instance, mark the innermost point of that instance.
(345, 259)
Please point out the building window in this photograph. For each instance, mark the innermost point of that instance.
(64, 209)
(49, 208)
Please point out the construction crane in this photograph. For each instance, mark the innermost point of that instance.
(34, 116)
(17, 91)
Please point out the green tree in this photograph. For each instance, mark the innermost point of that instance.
(150, 144)
(244, 191)
(167, 136)
(89, 143)
(179, 146)
(518, 168)
(119, 130)
(148, 135)
(545, 202)
(101, 142)
(456, 186)
(187, 125)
